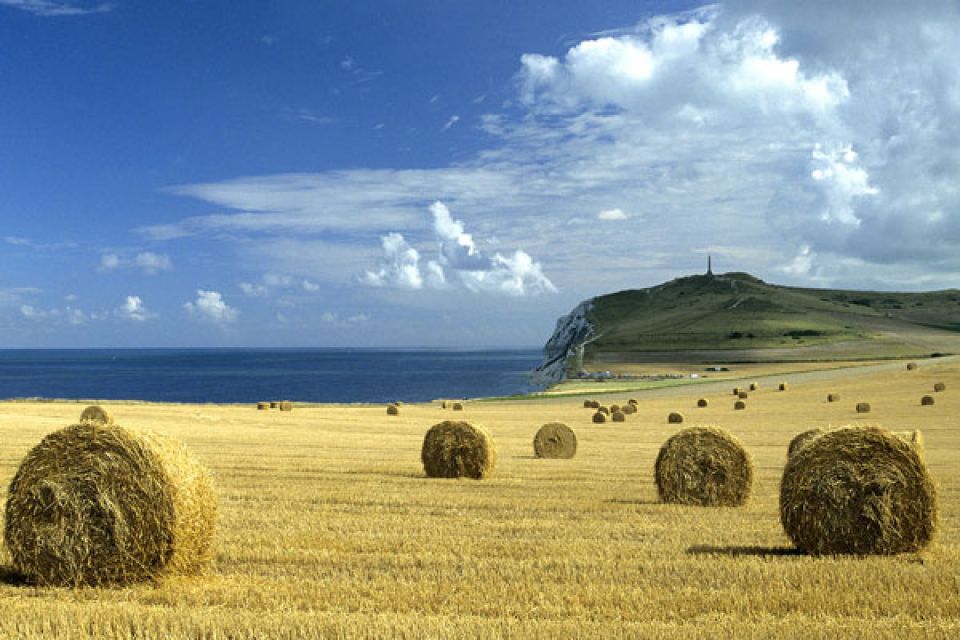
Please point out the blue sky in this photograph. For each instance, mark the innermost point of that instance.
(455, 173)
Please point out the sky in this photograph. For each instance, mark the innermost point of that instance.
(454, 173)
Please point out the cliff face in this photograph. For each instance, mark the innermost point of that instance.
(569, 336)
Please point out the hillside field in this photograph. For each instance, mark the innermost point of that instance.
(328, 528)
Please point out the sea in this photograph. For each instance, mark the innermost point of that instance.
(253, 375)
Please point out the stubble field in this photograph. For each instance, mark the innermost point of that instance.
(328, 528)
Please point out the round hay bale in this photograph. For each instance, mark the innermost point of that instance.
(704, 466)
(603, 410)
(458, 406)
(393, 410)
(588, 404)
(739, 405)
(675, 417)
(783, 386)
(703, 402)
(617, 416)
(599, 417)
(863, 407)
(555, 440)
(803, 439)
(633, 401)
(914, 439)
(926, 401)
(95, 414)
(736, 391)
(102, 504)
(628, 409)
(939, 387)
(286, 405)
(263, 406)
(743, 395)
(911, 366)
(754, 386)
(614, 408)
(833, 397)
(453, 449)
(858, 490)
(274, 405)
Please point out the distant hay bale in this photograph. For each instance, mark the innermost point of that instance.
(614, 408)
(628, 409)
(739, 405)
(398, 403)
(588, 404)
(704, 466)
(633, 401)
(393, 410)
(926, 401)
(675, 417)
(754, 386)
(555, 440)
(939, 387)
(858, 490)
(458, 406)
(262, 406)
(95, 414)
(863, 407)
(444, 404)
(101, 504)
(736, 391)
(603, 410)
(617, 416)
(911, 366)
(914, 439)
(286, 405)
(783, 386)
(803, 439)
(743, 395)
(833, 397)
(703, 402)
(453, 449)
(599, 417)
(274, 405)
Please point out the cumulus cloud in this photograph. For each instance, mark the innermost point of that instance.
(515, 275)
(148, 262)
(210, 307)
(133, 309)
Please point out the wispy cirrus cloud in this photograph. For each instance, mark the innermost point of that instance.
(55, 8)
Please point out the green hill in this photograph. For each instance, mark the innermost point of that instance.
(737, 317)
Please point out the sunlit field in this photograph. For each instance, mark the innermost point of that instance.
(328, 528)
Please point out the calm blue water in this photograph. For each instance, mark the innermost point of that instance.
(249, 375)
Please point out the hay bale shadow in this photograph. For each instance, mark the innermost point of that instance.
(12, 577)
(737, 551)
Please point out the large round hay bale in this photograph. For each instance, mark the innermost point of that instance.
(939, 387)
(703, 402)
(675, 417)
(393, 410)
(833, 397)
(95, 414)
(783, 386)
(618, 416)
(704, 466)
(458, 406)
(739, 405)
(555, 440)
(628, 409)
(263, 406)
(599, 417)
(453, 449)
(743, 395)
(858, 490)
(863, 407)
(911, 366)
(101, 504)
(914, 439)
(286, 405)
(802, 439)
(926, 401)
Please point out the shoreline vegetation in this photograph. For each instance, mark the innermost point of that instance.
(328, 526)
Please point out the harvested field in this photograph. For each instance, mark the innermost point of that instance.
(328, 527)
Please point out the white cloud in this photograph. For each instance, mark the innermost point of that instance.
(53, 8)
(400, 266)
(148, 262)
(133, 309)
(612, 214)
(454, 119)
(334, 319)
(210, 306)
(310, 287)
(109, 262)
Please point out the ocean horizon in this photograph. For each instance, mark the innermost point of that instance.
(240, 375)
